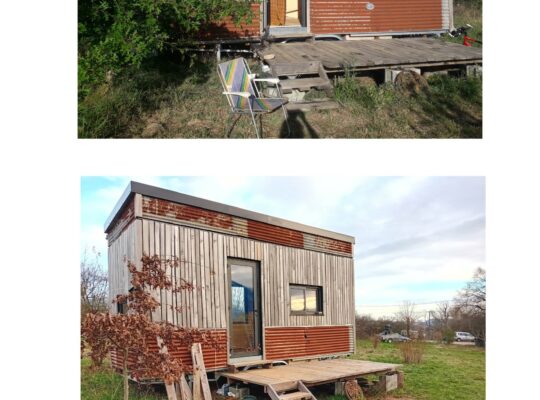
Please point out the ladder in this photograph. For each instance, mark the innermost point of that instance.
(289, 391)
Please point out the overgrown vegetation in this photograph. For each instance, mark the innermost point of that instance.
(412, 351)
(159, 93)
(446, 372)
(468, 12)
(115, 34)
(130, 332)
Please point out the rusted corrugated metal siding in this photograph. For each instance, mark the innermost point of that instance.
(227, 29)
(352, 16)
(152, 207)
(298, 342)
(213, 359)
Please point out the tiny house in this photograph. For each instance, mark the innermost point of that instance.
(348, 18)
(270, 289)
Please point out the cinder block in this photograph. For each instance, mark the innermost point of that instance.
(391, 382)
(474, 70)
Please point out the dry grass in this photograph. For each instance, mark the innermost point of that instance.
(412, 351)
(169, 99)
(174, 104)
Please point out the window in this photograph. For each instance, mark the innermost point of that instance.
(306, 300)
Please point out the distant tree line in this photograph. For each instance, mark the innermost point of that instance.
(467, 312)
(94, 283)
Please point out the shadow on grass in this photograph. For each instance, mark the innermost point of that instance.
(299, 125)
(454, 101)
(111, 110)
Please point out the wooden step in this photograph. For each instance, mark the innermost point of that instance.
(237, 366)
(298, 68)
(301, 391)
(312, 105)
(295, 396)
(305, 84)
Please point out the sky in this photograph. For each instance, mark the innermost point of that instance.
(418, 239)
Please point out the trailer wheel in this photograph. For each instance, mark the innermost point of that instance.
(389, 341)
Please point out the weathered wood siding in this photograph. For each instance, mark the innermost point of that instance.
(203, 257)
(352, 16)
(122, 248)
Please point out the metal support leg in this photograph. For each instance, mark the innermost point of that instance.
(255, 125)
(218, 52)
(253, 119)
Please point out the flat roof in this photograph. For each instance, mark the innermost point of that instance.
(181, 198)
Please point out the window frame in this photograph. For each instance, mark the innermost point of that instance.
(318, 299)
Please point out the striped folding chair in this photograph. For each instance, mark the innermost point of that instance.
(243, 95)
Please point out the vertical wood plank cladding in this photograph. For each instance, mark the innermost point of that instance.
(348, 16)
(210, 220)
(297, 342)
(202, 262)
(121, 249)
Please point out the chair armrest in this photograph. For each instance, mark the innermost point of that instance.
(247, 95)
(275, 81)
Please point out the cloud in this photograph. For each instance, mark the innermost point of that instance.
(417, 238)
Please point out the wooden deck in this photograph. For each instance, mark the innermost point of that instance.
(372, 54)
(311, 373)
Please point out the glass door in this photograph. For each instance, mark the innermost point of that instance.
(244, 303)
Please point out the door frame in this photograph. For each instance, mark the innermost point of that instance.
(257, 305)
(305, 19)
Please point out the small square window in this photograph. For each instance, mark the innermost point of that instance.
(305, 300)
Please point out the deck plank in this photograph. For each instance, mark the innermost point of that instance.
(367, 54)
(311, 372)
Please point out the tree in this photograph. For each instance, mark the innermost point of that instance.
(128, 334)
(472, 299)
(407, 315)
(94, 283)
(114, 34)
(470, 305)
(443, 313)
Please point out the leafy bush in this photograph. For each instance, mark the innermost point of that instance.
(114, 34)
(448, 336)
(348, 90)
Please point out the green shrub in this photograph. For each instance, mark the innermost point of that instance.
(448, 336)
(115, 34)
(348, 90)
(450, 87)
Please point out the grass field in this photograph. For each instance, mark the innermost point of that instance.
(448, 372)
(170, 99)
